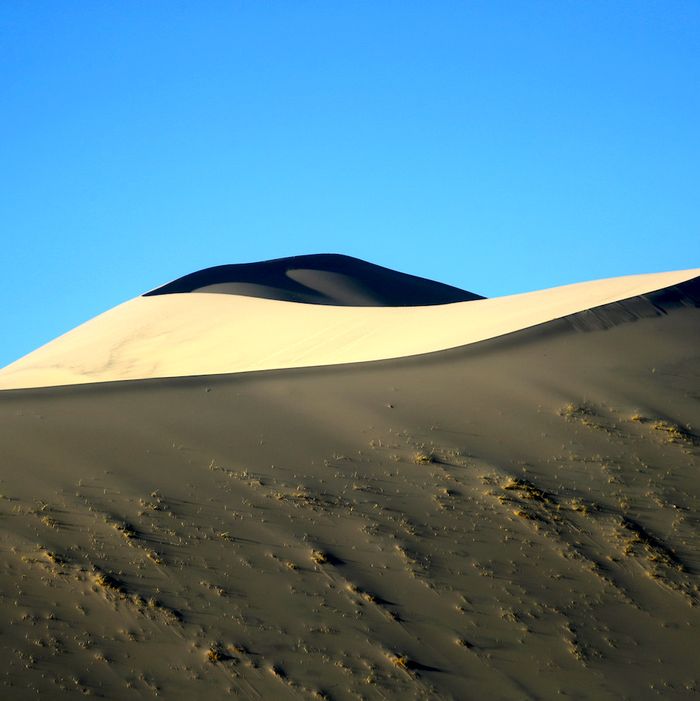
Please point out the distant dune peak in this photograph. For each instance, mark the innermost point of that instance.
(327, 278)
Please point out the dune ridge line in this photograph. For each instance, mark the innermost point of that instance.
(200, 333)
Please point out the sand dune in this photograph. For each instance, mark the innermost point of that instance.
(319, 279)
(175, 333)
(511, 519)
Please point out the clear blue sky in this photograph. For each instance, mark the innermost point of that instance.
(498, 146)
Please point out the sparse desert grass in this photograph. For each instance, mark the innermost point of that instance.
(673, 432)
(521, 513)
(526, 490)
(585, 414)
(583, 507)
(573, 410)
(655, 550)
(217, 653)
(423, 457)
(154, 557)
(319, 557)
(125, 529)
(463, 643)
(573, 644)
(107, 581)
(54, 558)
(400, 661)
(277, 671)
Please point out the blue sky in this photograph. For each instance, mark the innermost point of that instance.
(498, 146)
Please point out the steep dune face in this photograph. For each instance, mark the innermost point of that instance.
(179, 334)
(319, 279)
(511, 519)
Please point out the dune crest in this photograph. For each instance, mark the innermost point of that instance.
(326, 278)
(174, 334)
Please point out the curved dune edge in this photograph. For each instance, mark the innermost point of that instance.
(188, 334)
(321, 278)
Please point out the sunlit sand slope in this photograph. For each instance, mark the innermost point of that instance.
(513, 519)
(199, 333)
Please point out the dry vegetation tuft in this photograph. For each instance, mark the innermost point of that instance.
(217, 653)
(422, 457)
(576, 411)
(673, 432)
(319, 557)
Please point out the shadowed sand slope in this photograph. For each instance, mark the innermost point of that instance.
(319, 279)
(514, 519)
(192, 333)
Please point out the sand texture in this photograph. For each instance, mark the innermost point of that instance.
(513, 519)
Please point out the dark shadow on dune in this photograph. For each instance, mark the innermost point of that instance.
(414, 666)
(657, 303)
(319, 279)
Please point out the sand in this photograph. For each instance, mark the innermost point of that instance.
(200, 333)
(326, 278)
(512, 519)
